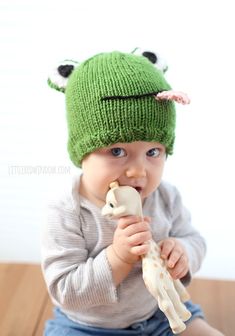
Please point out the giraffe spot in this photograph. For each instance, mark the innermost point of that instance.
(155, 265)
(162, 262)
(161, 275)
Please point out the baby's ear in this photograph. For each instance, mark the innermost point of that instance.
(59, 77)
(153, 57)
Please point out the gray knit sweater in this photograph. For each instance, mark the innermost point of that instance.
(76, 269)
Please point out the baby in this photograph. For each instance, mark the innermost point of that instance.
(121, 125)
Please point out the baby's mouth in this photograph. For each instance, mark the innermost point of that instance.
(139, 189)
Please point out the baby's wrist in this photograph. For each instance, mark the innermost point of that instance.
(120, 268)
(120, 258)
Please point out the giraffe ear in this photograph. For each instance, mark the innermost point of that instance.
(60, 75)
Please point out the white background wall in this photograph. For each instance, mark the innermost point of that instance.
(198, 41)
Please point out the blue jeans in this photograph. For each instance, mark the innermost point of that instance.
(157, 325)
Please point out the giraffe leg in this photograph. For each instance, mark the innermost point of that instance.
(180, 308)
(166, 305)
(181, 290)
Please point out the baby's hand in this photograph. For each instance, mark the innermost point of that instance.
(131, 237)
(175, 254)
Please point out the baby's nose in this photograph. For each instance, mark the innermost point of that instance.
(136, 171)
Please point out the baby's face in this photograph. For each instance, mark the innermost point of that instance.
(138, 164)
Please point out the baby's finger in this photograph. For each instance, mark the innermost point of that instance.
(137, 227)
(166, 248)
(174, 257)
(182, 274)
(147, 219)
(126, 221)
(180, 269)
(139, 238)
(140, 249)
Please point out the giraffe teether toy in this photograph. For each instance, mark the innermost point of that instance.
(169, 293)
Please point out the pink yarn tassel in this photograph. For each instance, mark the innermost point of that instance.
(176, 96)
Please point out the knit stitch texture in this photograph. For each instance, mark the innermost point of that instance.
(110, 99)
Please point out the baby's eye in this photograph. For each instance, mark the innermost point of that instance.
(153, 152)
(118, 152)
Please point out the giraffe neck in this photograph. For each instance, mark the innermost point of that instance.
(154, 250)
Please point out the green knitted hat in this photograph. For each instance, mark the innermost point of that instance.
(113, 97)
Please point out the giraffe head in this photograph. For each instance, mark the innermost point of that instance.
(122, 201)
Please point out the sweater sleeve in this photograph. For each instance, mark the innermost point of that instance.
(183, 230)
(74, 280)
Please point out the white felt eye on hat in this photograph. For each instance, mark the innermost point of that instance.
(59, 76)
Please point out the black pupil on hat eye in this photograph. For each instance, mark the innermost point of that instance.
(65, 70)
(151, 56)
(111, 205)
